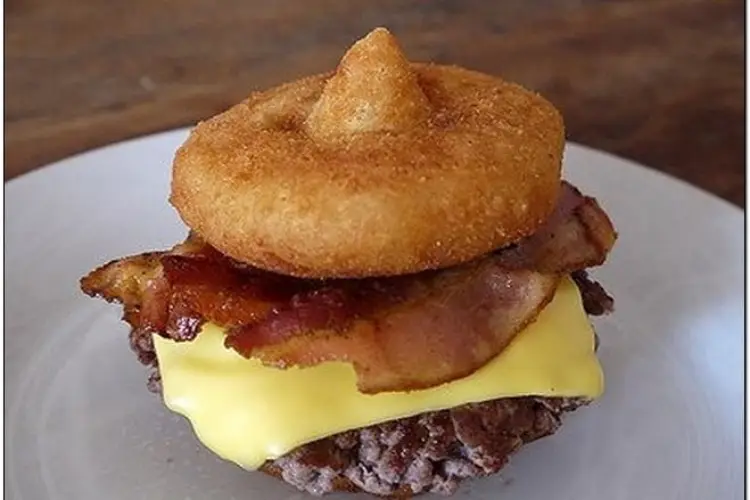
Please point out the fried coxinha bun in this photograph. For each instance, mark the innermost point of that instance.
(383, 167)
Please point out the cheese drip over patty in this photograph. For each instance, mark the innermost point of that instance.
(249, 413)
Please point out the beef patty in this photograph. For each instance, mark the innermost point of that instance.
(432, 452)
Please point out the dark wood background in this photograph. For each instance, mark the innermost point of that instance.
(658, 81)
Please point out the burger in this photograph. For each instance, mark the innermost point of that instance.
(384, 285)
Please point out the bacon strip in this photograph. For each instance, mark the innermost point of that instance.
(446, 328)
(577, 235)
(402, 332)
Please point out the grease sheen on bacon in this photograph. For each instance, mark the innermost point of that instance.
(401, 332)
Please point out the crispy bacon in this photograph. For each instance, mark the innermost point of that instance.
(402, 332)
(173, 293)
(447, 326)
(577, 235)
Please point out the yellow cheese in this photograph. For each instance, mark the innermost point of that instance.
(248, 413)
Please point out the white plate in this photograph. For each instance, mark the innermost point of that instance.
(80, 424)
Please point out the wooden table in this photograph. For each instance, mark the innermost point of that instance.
(658, 81)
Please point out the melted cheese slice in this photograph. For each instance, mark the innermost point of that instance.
(248, 413)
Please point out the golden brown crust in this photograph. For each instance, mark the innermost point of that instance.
(474, 167)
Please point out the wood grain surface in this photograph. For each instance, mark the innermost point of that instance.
(658, 81)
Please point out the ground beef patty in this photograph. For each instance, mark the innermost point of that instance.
(432, 452)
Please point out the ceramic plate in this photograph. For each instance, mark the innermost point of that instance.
(80, 425)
